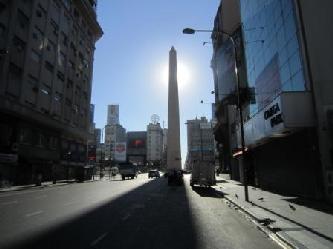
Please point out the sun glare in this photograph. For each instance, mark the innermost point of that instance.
(183, 75)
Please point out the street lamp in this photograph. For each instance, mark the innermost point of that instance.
(239, 104)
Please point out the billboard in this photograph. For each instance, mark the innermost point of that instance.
(120, 152)
(91, 152)
(136, 143)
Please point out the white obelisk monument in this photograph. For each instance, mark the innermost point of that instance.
(173, 149)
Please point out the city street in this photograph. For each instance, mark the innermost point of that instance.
(139, 213)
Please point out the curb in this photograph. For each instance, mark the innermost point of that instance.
(22, 188)
(278, 238)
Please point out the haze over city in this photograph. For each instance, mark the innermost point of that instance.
(131, 61)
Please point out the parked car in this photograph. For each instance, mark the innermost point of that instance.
(153, 173)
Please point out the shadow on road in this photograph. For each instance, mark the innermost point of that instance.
(206, 192)
(295, 222)
(150, 216)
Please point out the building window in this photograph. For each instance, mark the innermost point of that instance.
(14, 80)
(73, 48)
(38, 35)
(55, 27)
(25, 135)
(18, 44)
(31, 93)
(76, 13)
(69, 84)
(23, 20)
(41, 140)
(2, 30)
(2, 7)
(67, 3)
(56, 4)
(58, 97)
(45, 89)
(49, 66)
(62, 59)
(50, 46)
(71, 64)
(60, 76)
(35, 56)
(64, 39)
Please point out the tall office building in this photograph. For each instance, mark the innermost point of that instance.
(113, 134)
(113, 115)
(154, 143)
(45, 86)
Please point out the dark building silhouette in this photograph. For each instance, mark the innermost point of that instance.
(45, 87)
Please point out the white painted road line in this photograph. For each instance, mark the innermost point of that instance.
(96, 241)
(8, 203)
(126, 217)
(34, 213)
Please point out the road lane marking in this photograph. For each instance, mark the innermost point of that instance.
(34, 213)
(40, 197)
(126, 217)
(9, 203)
(69, 203)
(98, 239)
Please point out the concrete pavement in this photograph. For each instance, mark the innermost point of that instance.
(299, 222)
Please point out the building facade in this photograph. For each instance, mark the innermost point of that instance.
(154, 143)
(113, 134)
(113, 115)
(45, 87)
(137, 147)
(225, 84)
(287, 128)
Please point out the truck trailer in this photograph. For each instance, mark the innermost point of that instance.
(203, 174)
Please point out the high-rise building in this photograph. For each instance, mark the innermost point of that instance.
(288, 127)
(45, 86)
(154, 143)
(97, 135)
(113, 115)
(113, 134)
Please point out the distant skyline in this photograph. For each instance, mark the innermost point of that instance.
(131, 59)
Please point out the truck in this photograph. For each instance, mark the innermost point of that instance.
(203, 174)
(128, 170)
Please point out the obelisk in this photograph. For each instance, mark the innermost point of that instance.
(173, 149)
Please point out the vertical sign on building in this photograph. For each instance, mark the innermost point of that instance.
(120, 152)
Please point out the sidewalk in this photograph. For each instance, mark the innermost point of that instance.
(33, 186)
(298, 222)
(46, 184)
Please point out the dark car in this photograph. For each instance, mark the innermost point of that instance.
(153, 173)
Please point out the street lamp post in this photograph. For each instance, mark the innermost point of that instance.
(239, 104)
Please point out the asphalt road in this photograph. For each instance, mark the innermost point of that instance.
(137, 213)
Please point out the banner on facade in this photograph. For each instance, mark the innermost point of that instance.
(120, 152)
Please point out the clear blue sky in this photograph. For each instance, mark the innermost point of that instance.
(131, 58)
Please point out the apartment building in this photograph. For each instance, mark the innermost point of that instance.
(45, 86)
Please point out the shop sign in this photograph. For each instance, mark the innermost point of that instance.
(274, 115)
